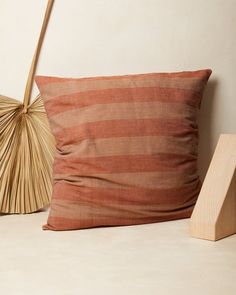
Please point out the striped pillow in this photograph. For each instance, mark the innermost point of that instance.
(126, 148)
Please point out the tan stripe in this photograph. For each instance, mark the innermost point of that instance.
(84, 210)
(131, 146)
(49, 91)
(122, 164)
(151, 180)
(66, 191)
(63, 223)
(121, 111)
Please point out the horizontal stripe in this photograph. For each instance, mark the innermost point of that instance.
(137, 196)
(70, 215)
(126, 147)
(124, 128)
(65, 103)
(150, 180)
(131, 146)
(205, 73)
(82, 210)
(126, 163)
(65, 223)
(122, 111)
(49, 91)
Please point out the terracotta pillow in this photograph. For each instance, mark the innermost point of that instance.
(126, 148)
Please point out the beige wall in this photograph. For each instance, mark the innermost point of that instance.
(103, 37)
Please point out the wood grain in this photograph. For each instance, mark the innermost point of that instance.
(214, 215)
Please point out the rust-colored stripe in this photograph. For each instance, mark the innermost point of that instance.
(124, 128)
(68, 102)
(50, 91)
(205, 73)
(123, 111)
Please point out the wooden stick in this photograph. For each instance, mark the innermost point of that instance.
(30, 80)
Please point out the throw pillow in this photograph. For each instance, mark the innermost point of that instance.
(126, 148)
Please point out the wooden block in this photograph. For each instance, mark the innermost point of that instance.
(214, 215)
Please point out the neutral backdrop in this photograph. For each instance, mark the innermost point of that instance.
(111, 37)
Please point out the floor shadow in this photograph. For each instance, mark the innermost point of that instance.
(45, 209)
(205, 122)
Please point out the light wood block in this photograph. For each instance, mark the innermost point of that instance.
(214, 215)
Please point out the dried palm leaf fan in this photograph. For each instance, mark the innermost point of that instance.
(26, 147)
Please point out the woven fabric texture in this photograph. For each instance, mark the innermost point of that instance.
(126, 147)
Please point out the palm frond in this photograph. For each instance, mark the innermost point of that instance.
(26, 156)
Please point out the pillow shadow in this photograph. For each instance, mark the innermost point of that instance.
(206, 126)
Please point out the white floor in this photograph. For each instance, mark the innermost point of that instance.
(154, 259)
